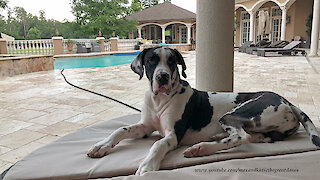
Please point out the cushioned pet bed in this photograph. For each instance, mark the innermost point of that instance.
(66, 159)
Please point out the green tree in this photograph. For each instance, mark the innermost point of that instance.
(34, 33)
(3, 4)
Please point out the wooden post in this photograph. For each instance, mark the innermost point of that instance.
(3, 46)
(57, 45)
(101, 41)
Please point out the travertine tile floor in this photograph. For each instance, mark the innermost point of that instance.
(38, 108)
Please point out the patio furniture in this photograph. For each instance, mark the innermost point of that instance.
(261, 44)
(95, 47)
(276, 44)
(243, 47)
(81, 48)
(289, 49)
(66, 158)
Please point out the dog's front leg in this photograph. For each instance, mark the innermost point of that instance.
(103, 147)
(157, 152)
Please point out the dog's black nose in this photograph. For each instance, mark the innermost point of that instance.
(162, 77)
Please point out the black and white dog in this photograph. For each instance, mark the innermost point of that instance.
(209, 121)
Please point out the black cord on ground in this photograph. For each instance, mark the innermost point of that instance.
(98, 93)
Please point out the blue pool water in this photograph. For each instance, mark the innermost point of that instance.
(92, 62)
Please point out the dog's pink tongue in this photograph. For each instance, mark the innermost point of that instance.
(163, 88)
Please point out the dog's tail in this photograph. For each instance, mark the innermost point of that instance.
(307, 124)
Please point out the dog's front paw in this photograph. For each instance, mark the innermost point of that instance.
(100, 149)
(147, 166)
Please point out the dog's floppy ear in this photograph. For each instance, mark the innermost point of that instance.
(138, 63)
(181, 62)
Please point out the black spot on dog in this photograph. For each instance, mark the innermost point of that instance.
(275, 135)
(236, 121)
(124, 128)
(228, 129)
(184, 83)
(197, 114)
(174, 94)
(213, 93)
(182, 90)
(145, 136)
(305, 117)
(257, 105)
(291, 131)
(229, 140)
(243, 97)
(168, 144)
(239, 138)
(316, 140)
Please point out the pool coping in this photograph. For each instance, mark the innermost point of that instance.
(92, 54)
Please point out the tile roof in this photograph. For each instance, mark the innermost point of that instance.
(162, 12)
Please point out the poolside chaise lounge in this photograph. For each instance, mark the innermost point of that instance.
(66, 159)
(261, 44)
(243, 47)
(276, 44)
(287, 50)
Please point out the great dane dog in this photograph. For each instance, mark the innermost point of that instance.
(210, 121)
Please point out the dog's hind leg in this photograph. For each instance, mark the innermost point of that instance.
(235, 127)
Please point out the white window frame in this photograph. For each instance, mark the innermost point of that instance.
(241, 26)
(180, 34)
(272, 25)
(155, 32)
(174, 33)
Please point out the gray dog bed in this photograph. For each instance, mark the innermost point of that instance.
(66, 158)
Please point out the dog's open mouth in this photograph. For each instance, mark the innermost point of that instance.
(163, 88)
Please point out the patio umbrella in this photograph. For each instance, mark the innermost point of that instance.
(267, 26)
(261, 23)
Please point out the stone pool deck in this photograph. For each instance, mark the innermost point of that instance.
(38, 108)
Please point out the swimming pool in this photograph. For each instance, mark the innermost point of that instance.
(92, 62)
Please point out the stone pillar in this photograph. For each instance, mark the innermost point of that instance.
(163, 34)
(101, 42)
(114, 43)
(189, 33)
(57, 45)
(315, 29)
(139, 32)
(283, 23)
(252, 20)
(214, 58)
(3, 46)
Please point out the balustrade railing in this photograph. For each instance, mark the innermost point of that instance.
(30, 47)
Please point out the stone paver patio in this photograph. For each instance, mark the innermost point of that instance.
(38, 108)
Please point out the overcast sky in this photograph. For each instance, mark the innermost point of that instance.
(61, 9)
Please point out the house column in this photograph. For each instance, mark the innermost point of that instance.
(189, 33)
(215, 54)
(163, 33)
(315, 29)
(283, 23)
(139, 32)
(252, 18)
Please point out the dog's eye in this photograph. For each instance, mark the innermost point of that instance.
(170, 62)
(151, 61)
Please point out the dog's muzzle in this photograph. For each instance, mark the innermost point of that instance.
(163, 82)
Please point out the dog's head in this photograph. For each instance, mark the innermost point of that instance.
(161, 68)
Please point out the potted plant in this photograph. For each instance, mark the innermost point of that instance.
(70, 43)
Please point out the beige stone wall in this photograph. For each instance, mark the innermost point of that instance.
(22, 65)
(303, 8)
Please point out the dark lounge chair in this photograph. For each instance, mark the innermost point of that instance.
(287, 50)
(276, 44)
(245, 45)
(95, 47)
(261, 44)
(81, 48)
